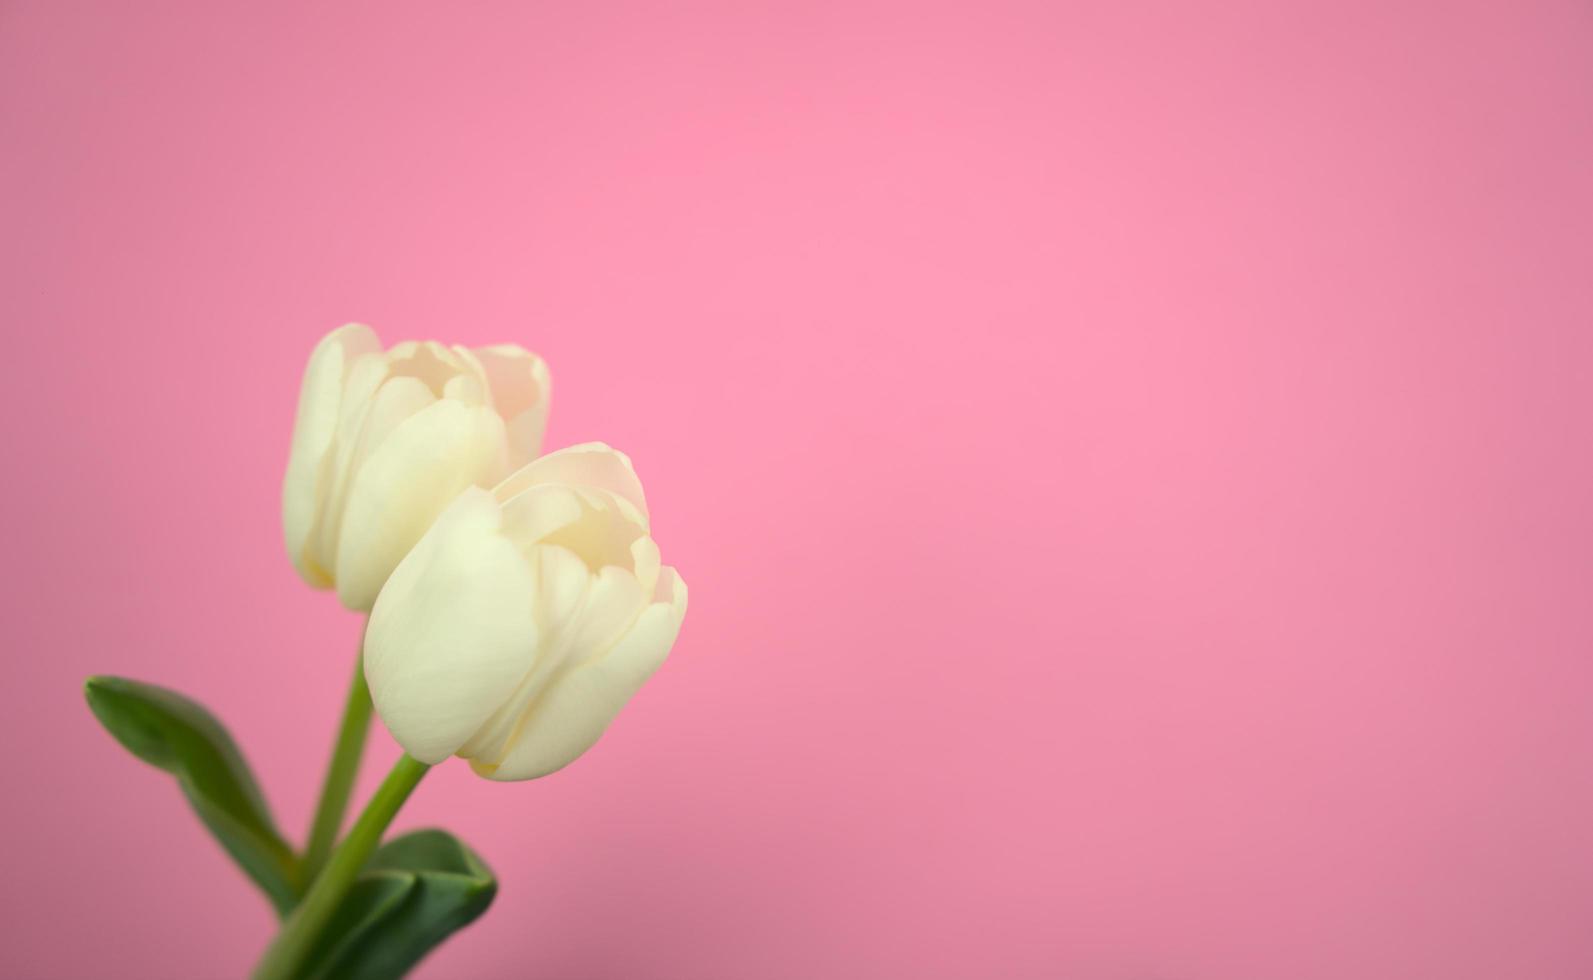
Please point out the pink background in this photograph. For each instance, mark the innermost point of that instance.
(1131, 462)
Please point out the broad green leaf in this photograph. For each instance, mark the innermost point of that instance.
(416, 891)
(173, 733)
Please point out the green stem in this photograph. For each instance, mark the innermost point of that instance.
(293, 945)
(340, 773)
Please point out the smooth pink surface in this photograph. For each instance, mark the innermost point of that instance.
(1131, 463)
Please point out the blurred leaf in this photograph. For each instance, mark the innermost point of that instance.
(416, 891)
(173, 733)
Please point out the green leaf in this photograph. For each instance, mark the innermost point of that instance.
(173, 733)
(416, 891)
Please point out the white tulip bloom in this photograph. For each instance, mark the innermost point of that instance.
(525, 618)
(384, 440)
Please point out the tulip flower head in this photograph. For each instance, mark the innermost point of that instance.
(525, 618)
(384, 440)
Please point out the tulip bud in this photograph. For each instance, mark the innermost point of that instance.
(384, 440)
(525, 618)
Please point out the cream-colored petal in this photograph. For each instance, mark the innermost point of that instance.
(518, 378)
(570, 717)
(605, 533)
(591, 464)
(559, 586)
(383, 409)
(466, 388)
(645, 559)
(562, 581)
(579, 614)
(522, 391)
(612, 605)
(540, 511)
(671, 589)
(420, 467)
(437, 366)
(526, 432)
(473, 368)
(364, 377)
(314, 430)
(452, 631)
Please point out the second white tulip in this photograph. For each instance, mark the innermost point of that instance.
(525, 618)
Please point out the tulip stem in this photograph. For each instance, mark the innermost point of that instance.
(340, 773)
(300, 933)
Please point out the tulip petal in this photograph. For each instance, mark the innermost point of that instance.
(314, 430)
(613, 604)
(430, 362)
(671, 589)
(381, 411)
(531, 516)
(592, 464)
(406, 482)
(453, 631)
(575, 711)
(522, 391)
(578, 614)
(645, 559)
(607, 529)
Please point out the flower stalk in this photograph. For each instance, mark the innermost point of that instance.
(287, 953)
(340, 775)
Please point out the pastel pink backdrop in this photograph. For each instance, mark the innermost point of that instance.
(1131, 462)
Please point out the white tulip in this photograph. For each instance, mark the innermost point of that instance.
(384, 440)
(525, 618)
